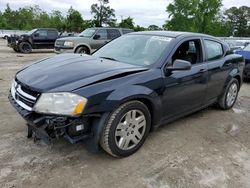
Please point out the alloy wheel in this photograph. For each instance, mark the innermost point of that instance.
(232, 94)
(130, 130)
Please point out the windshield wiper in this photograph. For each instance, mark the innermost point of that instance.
(109, 58)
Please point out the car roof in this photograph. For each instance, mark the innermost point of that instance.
(47, 28)
(173, 34)
(109, 28)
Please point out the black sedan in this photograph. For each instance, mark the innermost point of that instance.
(126, 89)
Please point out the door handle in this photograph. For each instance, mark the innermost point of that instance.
(202, 70)
(200, 73)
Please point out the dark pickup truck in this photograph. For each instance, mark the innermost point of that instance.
(126, 89)
(41, 38)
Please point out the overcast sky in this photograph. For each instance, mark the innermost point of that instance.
(144, 12)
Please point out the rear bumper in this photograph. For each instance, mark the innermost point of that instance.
(48, 128)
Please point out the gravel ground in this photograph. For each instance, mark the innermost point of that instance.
(210, 148)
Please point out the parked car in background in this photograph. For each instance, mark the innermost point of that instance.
(89, 40)
(246, 54)
(40, 38)
(236, 44)
(126, 89)
(4, 35)
(66, 34)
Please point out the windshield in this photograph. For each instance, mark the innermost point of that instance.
(87, 33)
(31, 32)
(247, 48)
(135, 49)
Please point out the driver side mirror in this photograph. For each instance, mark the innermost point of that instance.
(96, 37)
(179, 65)
(36, 35)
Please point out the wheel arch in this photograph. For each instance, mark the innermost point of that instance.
(82, 45)
(153, 105)
(151, 108)
(239, 79)
(28, 41)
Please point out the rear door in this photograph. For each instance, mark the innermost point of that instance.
(52, 36)
(218, 68)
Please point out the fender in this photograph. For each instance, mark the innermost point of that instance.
(92, 143)
(83, 44)
(136, 92)
(26, 38)
(236, 71)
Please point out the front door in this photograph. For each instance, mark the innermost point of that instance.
(40, 38)
(102, 40)
(185, 90)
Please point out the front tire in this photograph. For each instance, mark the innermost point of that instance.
(82, 50)
(230, 95)
(126, 129)
(25, 47)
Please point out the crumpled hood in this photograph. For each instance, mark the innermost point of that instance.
(68, 72)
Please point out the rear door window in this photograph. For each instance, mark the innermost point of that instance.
(214, 50)
(113, 33)
(52, 34)
(125, 31)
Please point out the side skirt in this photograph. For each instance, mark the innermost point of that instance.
(211, 102)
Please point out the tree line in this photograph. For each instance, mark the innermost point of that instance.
(184, 15)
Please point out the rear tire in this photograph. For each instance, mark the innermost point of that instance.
(25, 47)
(229, 97)
(82, 50)
(126, 129)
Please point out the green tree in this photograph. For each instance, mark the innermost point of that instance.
(9, 18)
(103, 14)
(87, 24)
(127, 23)
(139, 28)
(154, 28)
(74, 20)
(239, 20)
(25, 19)
(193, 15)
(29, 17)
(57, 20)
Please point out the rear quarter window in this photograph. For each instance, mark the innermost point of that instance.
(52, 34)
(125, 31)
(214, 50)
(113, 33)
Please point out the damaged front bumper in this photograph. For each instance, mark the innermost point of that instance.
(49, 127)
(12, 42)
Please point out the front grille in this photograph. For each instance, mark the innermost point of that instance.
(23, 96)
(59, 43)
